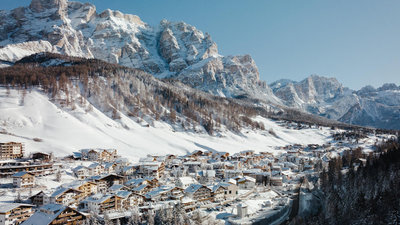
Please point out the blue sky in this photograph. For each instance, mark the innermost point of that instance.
(356, 41)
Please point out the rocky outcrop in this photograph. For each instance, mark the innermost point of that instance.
(327, 97)
(233, 76)
(317, 95)
(172, 49)
(13, 52)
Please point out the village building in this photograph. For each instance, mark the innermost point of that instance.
(81, 172)
(106, 181)
(206, 176)
(11, 150)
(86, 188)
(217, 192)
(163, 193)
(23, 180)
(65, 196)
(117, 187)
(9, 168)
(102, 203)
(276, 181)
(185, 182)
(224, 190)
(136, 182)
(192, 166)
(221, 156)
(263, 178)
(149, 167)
(246, 182)
(40, 199)
(230, 190)
(141, 189)
(232, 173)
(153, 181)
(95, 169)
(130, 199)
(195, 154)
(56, 214)
(42, 156)
(14, 213)
(103, 155)
(127, 171)
(198, 192)
(242, 210)
(110, 167)
(247, 153)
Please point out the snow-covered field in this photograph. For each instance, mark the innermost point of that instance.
(64, 131)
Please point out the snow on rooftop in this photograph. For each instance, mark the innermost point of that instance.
(186, 180)
(4, 208)
(19, 174)
(193, 188)
(45, 215)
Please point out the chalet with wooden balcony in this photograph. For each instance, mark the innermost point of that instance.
(23, 180)
(102, 203)
(56, 214)
(14, 213)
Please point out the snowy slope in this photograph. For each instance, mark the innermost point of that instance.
(64, 130)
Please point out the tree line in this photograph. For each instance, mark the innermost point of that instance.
(116, 89)
(365, 194)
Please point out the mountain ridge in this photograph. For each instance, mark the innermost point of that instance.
(368, 106)
(178, 51)
(171, 49)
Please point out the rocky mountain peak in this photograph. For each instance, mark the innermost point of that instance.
(183, 45)
(365, 90)
(42, 5)
(172, 49)
(389, 86)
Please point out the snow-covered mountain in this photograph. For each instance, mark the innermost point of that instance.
(171, 49)
(376, 107)
(327, 97)
(179, 51)
(316, 94)
(46, 125)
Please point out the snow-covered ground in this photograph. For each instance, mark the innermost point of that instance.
(64, 131)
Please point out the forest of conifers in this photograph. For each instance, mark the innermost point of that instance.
(369, 194)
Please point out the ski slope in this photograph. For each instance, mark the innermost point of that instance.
(63, 131)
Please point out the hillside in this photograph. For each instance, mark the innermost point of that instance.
(61, 130)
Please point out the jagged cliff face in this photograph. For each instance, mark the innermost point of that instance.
(376, 107)
(172, 49)
(180, 51)
(318, 95)
(327, 97)
(232, 76)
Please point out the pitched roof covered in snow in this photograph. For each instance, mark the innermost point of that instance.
(45, 215)
(193, 188)
(4, 208)
(20, 174)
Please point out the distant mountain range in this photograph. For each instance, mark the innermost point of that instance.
(178, 51)
(327, 97)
